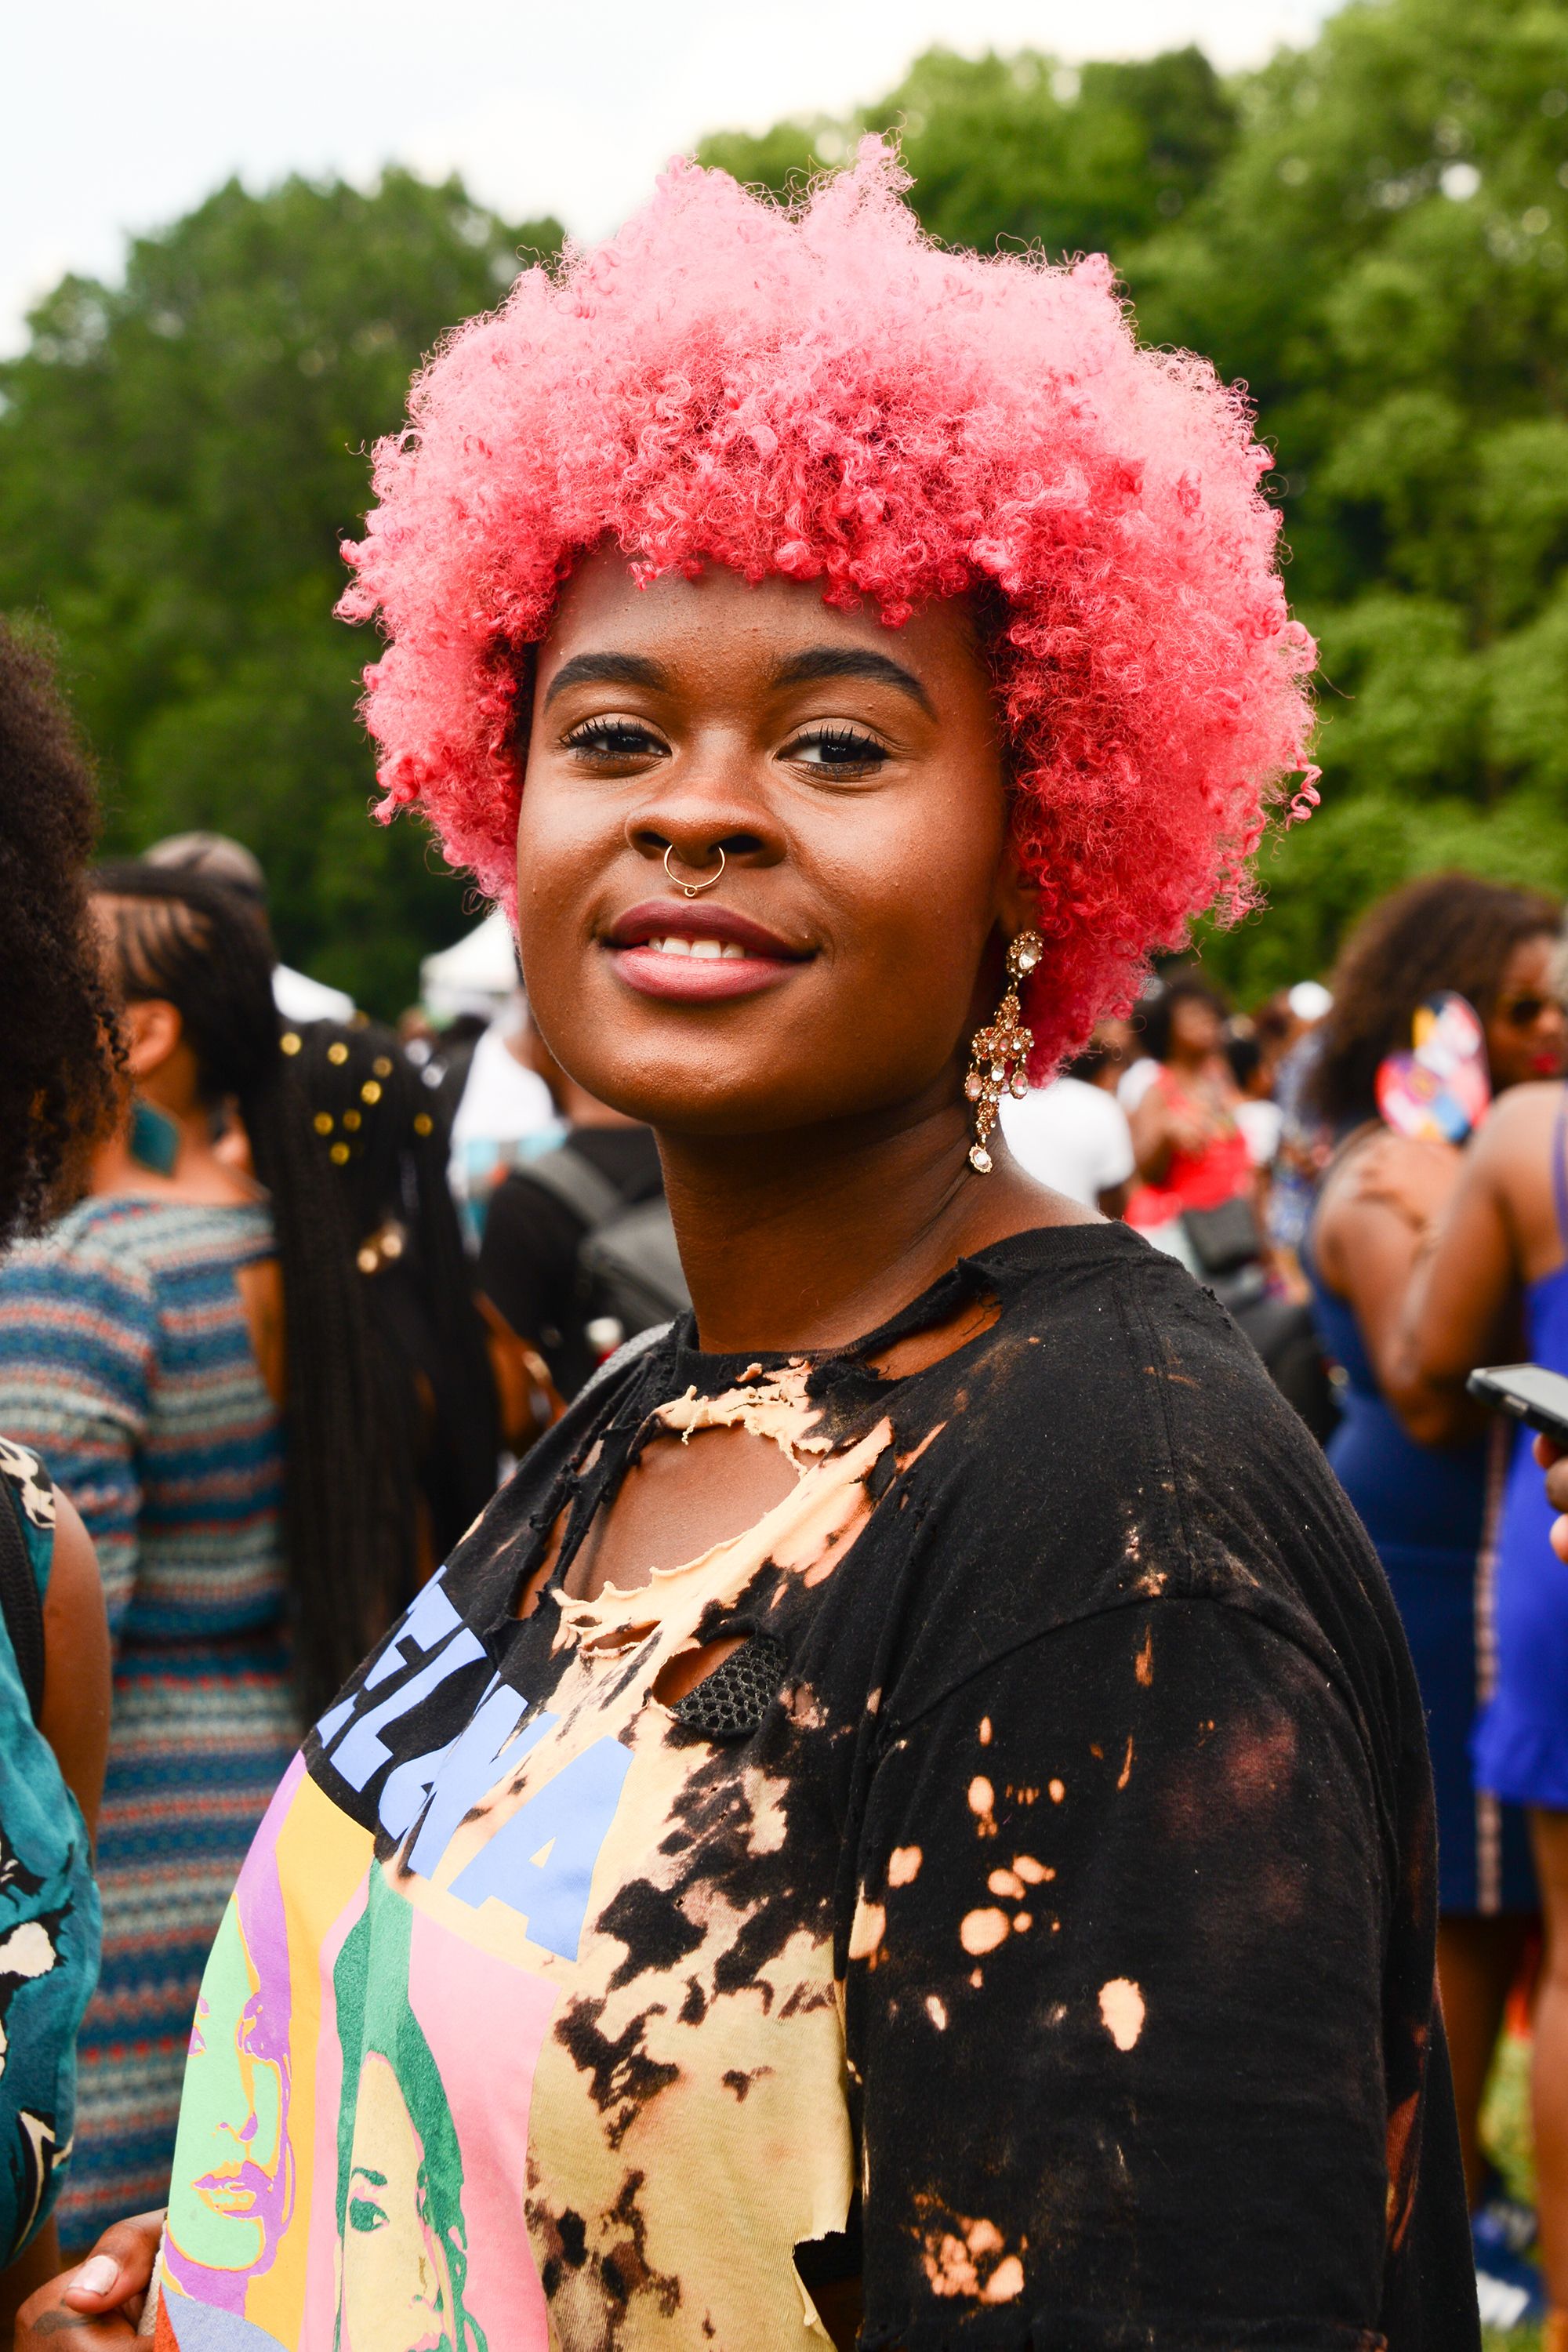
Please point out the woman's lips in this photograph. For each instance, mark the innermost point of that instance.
(692, 955)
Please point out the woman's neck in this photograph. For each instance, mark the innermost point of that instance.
(200, 1176)
(808, 1240)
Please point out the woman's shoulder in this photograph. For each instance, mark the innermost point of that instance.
(30, 1492)
(151, 1234)
(1115, 1441)
(1523, 1119)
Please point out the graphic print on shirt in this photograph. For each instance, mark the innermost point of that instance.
(462, 1968)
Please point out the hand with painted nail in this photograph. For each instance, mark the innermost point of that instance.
(1554, 1461)
(100, 2301)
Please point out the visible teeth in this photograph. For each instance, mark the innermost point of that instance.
(707, 949)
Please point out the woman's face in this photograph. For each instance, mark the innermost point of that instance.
(1525, 1035)
(849, 773)
(396, 2290)
(231, 2118)
(1196, 1029)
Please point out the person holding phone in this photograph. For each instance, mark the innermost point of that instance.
(1424, 1503)
(1490, 1284)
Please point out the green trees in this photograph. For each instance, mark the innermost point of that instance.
(1025, 150)
(1373, 234)
(179, 459)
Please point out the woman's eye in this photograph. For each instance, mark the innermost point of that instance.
(615, 738)
(365, 2216)
(838, 751)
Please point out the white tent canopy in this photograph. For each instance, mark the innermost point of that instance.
(474, 975)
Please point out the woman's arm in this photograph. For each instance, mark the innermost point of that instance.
(75, 1722)
(1115, 2003)
(1458, 1308)
(75, 1663)
(1369, 1238)
(78, 1345)
(1159, 1129)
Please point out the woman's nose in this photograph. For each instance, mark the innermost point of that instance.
(697, 838)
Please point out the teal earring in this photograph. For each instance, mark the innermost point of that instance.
(154, 1138)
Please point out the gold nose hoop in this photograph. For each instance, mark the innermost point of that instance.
(694, 890)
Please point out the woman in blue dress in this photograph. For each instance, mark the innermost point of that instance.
(1427, 1493)
(54, 1642)
(1494, 1286)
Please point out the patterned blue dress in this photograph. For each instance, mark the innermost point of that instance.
(49, 1912)
(126, 1359)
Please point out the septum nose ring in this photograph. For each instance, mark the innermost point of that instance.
(694, 890)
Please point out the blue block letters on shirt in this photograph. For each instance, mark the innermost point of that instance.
(427, 1628)
(540, 1861)
(460, 1774)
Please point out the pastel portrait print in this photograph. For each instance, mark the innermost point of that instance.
(403, 2260)
(232, 2185)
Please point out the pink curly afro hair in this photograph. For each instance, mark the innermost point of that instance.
(824, 394)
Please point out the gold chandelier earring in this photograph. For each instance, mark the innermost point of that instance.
(1000, 1051)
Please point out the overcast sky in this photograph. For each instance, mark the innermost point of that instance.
(118, 115)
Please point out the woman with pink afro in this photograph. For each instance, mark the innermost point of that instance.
(908, 1817)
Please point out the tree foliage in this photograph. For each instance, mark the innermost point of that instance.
(180, 458)
(1371, 232)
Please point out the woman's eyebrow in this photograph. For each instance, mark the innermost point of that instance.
(822, 662)
(607, 669)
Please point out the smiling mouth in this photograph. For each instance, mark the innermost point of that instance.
(698, 955)
(706, 950)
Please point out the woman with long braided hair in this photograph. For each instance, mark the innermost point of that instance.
(188, 1347)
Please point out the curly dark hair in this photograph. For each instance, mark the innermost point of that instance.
(57, 1084)
(1447, 930)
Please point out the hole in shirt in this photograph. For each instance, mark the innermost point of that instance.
(738, 1681)
(260, 1288)
(614, 1639)
(918, 1351)
(681, 1675)
(681, 1497)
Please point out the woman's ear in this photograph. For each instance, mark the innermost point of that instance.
(154, 1032)
(1017, 902)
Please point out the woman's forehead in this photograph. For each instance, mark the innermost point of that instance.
(681, 622)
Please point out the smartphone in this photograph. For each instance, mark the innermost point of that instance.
(1529, 1392)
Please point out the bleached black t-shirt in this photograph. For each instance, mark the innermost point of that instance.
(1034, 1916)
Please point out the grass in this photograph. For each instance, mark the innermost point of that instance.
(1505, 2134)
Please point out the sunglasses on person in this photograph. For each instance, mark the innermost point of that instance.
(1525, 1012)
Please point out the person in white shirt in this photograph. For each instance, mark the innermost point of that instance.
(505, 1113)
(1073, 1134)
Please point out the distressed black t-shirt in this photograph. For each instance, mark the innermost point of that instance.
(1035, 1915)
